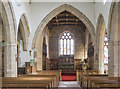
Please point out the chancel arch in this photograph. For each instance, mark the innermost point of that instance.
(114, 39)
(100, 35)
(38, 35)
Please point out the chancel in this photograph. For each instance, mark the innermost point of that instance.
(51, 44)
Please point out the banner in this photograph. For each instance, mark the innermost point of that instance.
(32, 62)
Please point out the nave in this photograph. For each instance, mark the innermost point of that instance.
(46, 45)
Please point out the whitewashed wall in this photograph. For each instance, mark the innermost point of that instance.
(102, 8)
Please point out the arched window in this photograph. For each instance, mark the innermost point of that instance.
(105, 49)
(66, 43)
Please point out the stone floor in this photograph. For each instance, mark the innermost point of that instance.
(69, 85)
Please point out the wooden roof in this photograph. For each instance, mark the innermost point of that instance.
(65, 18)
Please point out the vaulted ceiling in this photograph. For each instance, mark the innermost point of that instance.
(65, 18)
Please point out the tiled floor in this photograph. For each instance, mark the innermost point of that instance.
(69, 85)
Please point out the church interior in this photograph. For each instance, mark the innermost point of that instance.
(54, 44)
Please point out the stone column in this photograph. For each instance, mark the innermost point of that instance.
(114, 43)
(96, 52)
(114, 59)
(101, 61)
(39, 63)
(1, 38)
(10, 61)
(0, 60)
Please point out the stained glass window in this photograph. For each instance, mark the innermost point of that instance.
(66, 44)
(105, 50)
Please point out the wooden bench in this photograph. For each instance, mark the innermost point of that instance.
(102, 80)
(27, 82)
(87, 72)
(93, 80)
(25, 86)
(50, 72)
(106, 86)
(84, 78)
(54, 77)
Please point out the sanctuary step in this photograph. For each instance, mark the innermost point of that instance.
(68, 76)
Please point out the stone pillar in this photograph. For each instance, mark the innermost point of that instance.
(0, 60)
(96, 52)
(114, 59)
(85, 52)
(10, 61)
(101, 61)
(114, 43)
(39, 63)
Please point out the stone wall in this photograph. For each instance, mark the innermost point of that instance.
(79, 38)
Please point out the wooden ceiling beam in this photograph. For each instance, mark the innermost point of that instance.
(66, 23)
(65, 19)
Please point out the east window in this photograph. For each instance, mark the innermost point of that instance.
(66, 44)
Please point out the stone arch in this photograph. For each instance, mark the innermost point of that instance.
(44, 39)
(55, 12)
(114, 39)
(24, 31)
(100, 34)
(38, 34)
(39, 48)
(9, 23)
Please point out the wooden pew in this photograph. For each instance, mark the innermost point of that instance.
(54, 77)
(81, 73)
(25, 86)
(27, 82)
(102, 80)
(87, 78)
(51, 72)
(84, 78)
(41, 80)
(106, 86)
(107, 83)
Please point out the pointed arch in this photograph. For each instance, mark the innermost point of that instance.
(55, 12)
(114, 39)
(9, 23)
(10, 20)
(24, 30)
(100, 34)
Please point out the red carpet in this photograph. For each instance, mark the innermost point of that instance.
(68, 76)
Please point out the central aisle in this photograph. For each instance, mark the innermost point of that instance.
(69, 85)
